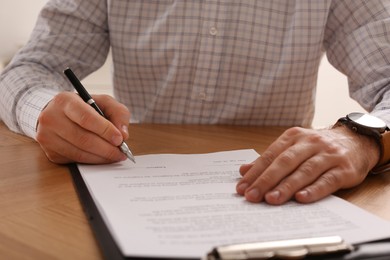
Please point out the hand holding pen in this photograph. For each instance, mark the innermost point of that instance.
(69, 130)
(88, 99)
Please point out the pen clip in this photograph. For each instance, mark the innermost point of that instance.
(283, 249)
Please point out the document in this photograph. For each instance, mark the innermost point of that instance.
(183, 205)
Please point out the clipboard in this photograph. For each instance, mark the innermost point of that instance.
(325, 248)
(107, 244)
(103, 236)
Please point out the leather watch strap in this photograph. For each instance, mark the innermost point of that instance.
(384, 160)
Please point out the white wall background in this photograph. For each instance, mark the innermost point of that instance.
(17, 18)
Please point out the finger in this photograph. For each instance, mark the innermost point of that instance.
(87, 118)
(69, 144)
(303, 176)
(54, 128)
(326, 184)
(245, 168)
(287, 139)
(261, 163)
(66, 153)
(60, 151)
(259, 166)
(88, 142)
(284, 166)
(115, 112)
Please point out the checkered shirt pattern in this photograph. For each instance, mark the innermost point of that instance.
(204, 62)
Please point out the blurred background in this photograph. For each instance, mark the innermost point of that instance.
(17, 18)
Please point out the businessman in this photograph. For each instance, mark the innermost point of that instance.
(209, 62)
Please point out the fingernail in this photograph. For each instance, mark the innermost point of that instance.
(117, 140)
(253, 194)
(242, 187)
(125, 129)
(304, 193)
(275, 195)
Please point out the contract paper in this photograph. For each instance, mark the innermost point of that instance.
(181, 206)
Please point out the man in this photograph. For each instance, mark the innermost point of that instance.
(207, 62)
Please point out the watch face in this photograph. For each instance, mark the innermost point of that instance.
(368, 121)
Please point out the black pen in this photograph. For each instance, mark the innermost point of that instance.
(89, 100)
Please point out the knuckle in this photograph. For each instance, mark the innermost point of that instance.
(60, 99)
(288, 187)
(86, 119)
(307, 169)
(293, 131)
(266, 180)
(331, 145)
(268, 157)
(286, 158)
(315, 138)
(332, 180)
(106, 129)
(332, 148)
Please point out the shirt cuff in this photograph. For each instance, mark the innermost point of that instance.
(29, 108)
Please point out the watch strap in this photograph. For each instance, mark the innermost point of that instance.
(384, 160)
(360, 130)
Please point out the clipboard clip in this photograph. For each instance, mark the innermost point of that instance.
(283, 249)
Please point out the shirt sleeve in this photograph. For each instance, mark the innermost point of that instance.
(357, 43)
(68, 33)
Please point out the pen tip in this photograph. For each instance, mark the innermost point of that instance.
(125, 149)
(130, 156)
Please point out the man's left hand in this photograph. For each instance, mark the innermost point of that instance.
(308, 165)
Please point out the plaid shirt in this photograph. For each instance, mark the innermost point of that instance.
(204, 62)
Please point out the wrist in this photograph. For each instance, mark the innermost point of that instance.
(29, 107)
(360, 144)
(373, 128)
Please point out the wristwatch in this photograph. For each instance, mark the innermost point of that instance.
(374, 127)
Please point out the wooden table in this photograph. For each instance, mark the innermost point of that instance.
(41, 216)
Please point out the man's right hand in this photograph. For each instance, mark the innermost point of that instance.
(70, 130)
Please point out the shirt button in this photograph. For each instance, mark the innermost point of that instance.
(213, 31)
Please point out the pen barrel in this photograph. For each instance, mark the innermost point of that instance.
(77, 85)
(83, 93)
